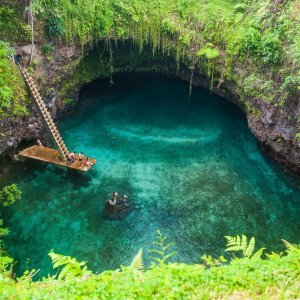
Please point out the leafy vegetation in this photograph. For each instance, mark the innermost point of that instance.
(70, 267)
(237, 243)
(161, 250)
(12, 88)
(8, 195)
(217, 38)
(226, 40)
(277, 276)
(12, 28)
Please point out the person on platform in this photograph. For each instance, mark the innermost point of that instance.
(71, 158)
(80, 158)
(88, 162)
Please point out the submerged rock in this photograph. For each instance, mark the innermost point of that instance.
(118, 210)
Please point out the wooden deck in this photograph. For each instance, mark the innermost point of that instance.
(54, 157)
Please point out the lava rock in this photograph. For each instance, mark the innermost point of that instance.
(117, 211)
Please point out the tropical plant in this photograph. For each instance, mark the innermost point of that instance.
(70, 267)
(48, 50)
(9, 194)
(161, 252)
(137, 263)
(237, 243)
(54, 27)
(12, 88)
(209, 52)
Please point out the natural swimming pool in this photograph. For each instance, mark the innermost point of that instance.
(192, 168)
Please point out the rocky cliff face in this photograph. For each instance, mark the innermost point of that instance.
(274, 127)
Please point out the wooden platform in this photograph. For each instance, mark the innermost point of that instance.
(53, 156)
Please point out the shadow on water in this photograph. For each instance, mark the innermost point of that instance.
(192, 170)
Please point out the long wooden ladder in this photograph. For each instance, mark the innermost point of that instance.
(47, 117)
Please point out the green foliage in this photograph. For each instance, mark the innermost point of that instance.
(54, 27)
(269, 50)
(290, 86)
(12, 28)
(276, 276)
(223, 34)
(161, 251)
(209, 52)
(67, 101)
(167, 26)
(9, 194)
(210, 261)
(240, 8)
(237, 243)
(137, 263)
(70, 267)
(12, 89)
(257, 88)
(48, 50)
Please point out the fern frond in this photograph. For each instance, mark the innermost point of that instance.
(161, 253)
(258, 253)
(233, 248)
(70, 267)
(290, 246)
(233, 241)
(169, 245)
(137, 262)
(250, 248)
(244, 243)
(169, 255)
(237, 243)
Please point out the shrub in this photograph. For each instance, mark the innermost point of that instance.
(269, 49)
(167, 26)
(54, 27)
(209, 52)
(9, 194)
(48, 50)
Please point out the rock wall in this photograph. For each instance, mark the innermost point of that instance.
(274, 127)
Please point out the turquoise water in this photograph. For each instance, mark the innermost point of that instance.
(192, 168)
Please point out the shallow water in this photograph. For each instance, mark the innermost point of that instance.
(192, 168)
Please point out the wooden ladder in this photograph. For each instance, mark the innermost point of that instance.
(47, 117)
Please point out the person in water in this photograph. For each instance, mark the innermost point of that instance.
(114, 200)
(124, 199)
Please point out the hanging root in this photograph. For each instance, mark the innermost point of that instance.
(221, 81)
(191, 83)
(111, 82)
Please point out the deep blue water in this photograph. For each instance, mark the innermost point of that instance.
(192, 168)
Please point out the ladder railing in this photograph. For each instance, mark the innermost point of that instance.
(47, 117)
